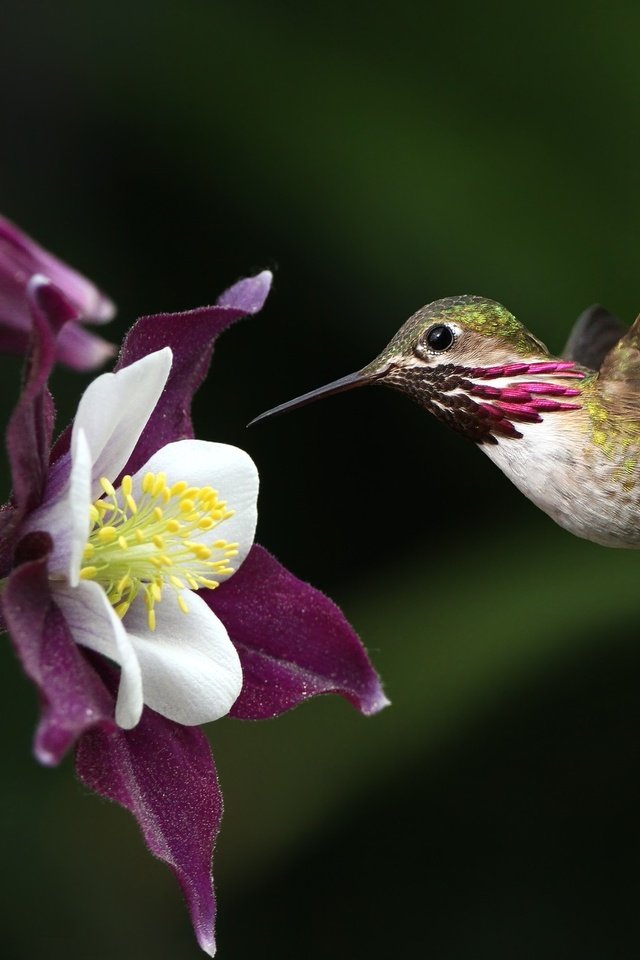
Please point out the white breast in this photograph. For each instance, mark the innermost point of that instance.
(559, 468)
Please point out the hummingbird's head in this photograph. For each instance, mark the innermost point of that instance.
(468, 332)
(468, 361)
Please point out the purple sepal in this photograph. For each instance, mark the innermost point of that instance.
(294, 643)
(81, 350)
(191, 336)
(249, 294)
(10, 519)
(20, 259)
(14, 341)
(73, 697)
(164, 774)
(31, 424)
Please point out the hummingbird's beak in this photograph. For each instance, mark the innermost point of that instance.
(359, 379)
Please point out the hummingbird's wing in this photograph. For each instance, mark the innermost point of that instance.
(594, 334)
(621, 366)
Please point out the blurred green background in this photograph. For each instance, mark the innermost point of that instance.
(376, 157)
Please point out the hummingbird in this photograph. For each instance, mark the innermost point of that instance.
(565, 430)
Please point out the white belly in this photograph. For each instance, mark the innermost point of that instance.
(569, 477)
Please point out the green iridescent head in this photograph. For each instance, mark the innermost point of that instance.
(478, 328)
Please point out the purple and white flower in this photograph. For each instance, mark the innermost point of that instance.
(21, 258)
(129, 542)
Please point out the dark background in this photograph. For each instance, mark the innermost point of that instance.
(375, 159)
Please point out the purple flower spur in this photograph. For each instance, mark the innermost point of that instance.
(20, 259)
(134, 595)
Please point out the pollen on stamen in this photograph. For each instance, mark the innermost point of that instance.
(147, 482)
(125, 582)
(209, 584)
(182, 603)
(159, 484)
(107, 534)
(107, 486)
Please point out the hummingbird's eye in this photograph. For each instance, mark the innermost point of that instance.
(440, 338)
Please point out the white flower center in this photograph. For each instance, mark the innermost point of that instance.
(155, 542)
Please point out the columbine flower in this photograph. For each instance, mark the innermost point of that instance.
(20, 259)
(126, 560)
(130, 542)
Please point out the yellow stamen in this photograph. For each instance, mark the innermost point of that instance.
(182, 603)
(125, 582)
(107, 486)
(107, 534)
(156, 537)
(158, 485)
(147, 483)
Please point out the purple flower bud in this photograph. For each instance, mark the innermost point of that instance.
(21, 258)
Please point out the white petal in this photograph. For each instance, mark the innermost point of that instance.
(114, 411)
(227, 469)
(191, 672)
(94, 624)
(78, 502)
(66, 518)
